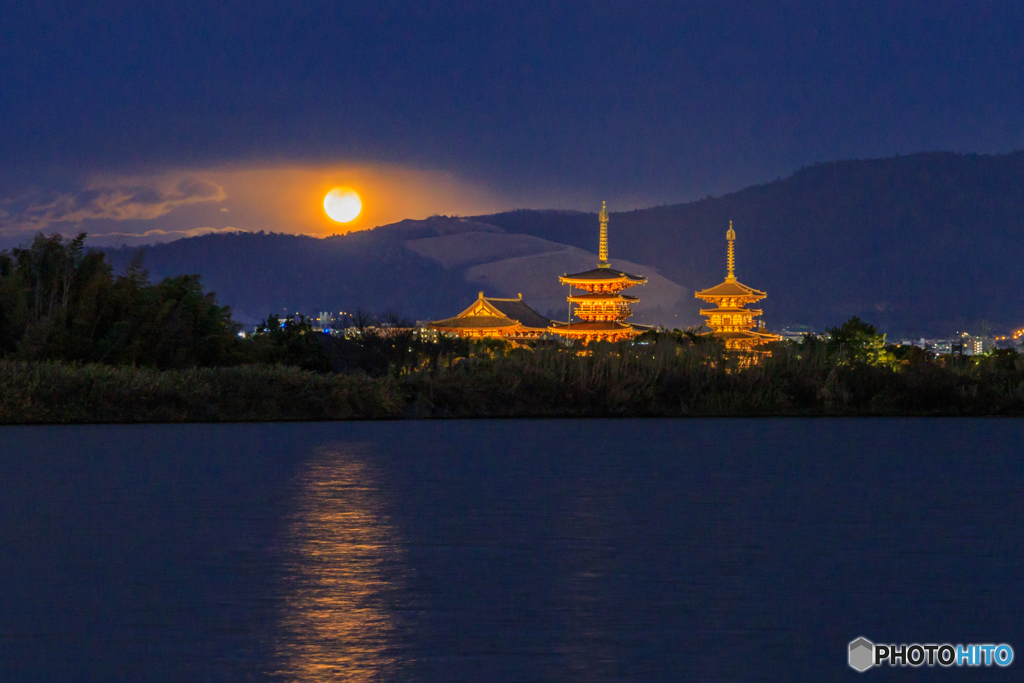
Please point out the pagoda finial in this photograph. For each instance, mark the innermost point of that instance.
(602, 252)
(731, 258)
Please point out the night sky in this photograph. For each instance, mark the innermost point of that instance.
(175, 117)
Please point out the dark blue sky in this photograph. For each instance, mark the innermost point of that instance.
(553, 103)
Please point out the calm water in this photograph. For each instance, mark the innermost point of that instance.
(697, 550)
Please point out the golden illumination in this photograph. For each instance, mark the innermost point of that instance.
(291, 198)
(730, 319)
(344, 567)
(342, 204)
(602, 250)
(602, 310)
(494, 318)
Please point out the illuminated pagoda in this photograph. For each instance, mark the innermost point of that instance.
(730, 320)
(494, 318)
(601, 308)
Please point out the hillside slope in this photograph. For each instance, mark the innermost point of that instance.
(926, 243)
(923, 244)
(423, 269)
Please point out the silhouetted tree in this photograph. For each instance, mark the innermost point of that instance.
(60, 302)
(291, 342)
(858, 341)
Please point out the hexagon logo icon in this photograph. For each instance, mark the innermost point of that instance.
(862, 654)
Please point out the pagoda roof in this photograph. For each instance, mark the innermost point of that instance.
(730, 288)
(600, 326)
(607, 296)
(744, 334)
(732, 311)
(604, 275)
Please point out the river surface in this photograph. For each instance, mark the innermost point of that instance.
(568, 550)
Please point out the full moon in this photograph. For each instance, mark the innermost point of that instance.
(342, 204)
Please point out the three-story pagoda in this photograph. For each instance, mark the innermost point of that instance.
(601, 307)
(731, 320)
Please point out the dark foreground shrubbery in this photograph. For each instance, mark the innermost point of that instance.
(59, 393)
(667, 379)
(663, 378)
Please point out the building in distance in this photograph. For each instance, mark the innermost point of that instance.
(494, 318)
(601, 307)
(730, 319)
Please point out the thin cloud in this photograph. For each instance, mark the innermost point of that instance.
(121, 199)
(194, 232)
(173, 203)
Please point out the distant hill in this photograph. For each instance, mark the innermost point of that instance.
(922, 244)
(427, 269)
(258, 274)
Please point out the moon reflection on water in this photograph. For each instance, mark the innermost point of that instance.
(338, 618)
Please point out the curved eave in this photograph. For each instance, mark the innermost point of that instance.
(744, 334)
(597, 298)
(602, 326)
(590, 282)
(597, 328)
(731, 311)
(730, 290)
(473, 323)
(743, 300)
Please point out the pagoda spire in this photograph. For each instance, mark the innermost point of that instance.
(730, 260)
(602, 253)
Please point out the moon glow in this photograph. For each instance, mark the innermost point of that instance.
(342, 204)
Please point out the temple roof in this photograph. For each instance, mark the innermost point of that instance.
(474, 322)
(604, 274)
(730, 288)
(603, 326)
(495, 313)
(607, 296)
(745, 334)
(731, 311)
(516, 309)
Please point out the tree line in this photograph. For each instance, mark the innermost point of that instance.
(62, 302)
(59, 301)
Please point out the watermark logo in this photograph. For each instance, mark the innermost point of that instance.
(863, 654)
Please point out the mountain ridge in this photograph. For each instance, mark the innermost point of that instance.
(923, 244)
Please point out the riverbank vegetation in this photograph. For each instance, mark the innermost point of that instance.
(666, 375)
(78, 344)
(62, 393)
